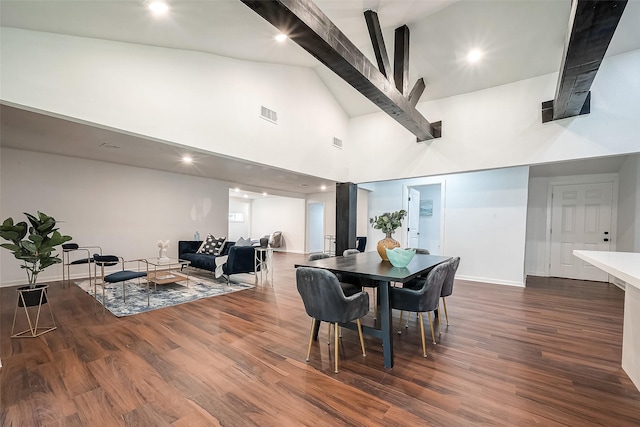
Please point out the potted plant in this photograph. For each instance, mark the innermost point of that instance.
(388, 222)
(36, 251)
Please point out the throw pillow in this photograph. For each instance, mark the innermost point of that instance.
(243, 242)
(209, 245)
(219, 245)
(201, 248)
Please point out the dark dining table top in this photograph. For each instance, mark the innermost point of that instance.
(370, 265)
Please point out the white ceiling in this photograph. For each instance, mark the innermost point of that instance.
(520, 38)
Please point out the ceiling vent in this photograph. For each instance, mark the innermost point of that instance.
(337, 143)
(268, 114)
(107, 146)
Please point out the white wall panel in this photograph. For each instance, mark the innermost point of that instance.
(123, 209)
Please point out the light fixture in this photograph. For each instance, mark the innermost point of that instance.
(281, 37)
(323, 187)
(158, 7)
(187, 159)
(264, 193)
(237, 190)
(474, 56)
(245, 196)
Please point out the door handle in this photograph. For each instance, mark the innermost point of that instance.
(606, 240)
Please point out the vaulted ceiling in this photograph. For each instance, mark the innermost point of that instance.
(520, 38)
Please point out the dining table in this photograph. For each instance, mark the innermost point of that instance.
(369, 265)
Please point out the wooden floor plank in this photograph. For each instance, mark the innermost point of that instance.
(545, 355)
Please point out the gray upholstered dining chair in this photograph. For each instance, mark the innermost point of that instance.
(123, 275)
(422, 300)
(447, 287)
(324, 300)
(348, 252)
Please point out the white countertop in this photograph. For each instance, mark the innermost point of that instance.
(623, 265)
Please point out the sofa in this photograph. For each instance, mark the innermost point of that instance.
(240, 259)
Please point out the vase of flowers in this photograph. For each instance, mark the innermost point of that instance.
(388, 222)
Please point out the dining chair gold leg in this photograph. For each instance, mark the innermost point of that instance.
(446, 315)
(433, 335)
(406, 325)
(361, 338)
(400, 323)
(328, 333)
(424, 345)
(313, 327)
(340, 331)
(336, 343)
(439, 322)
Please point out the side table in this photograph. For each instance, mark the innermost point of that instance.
(264, 260)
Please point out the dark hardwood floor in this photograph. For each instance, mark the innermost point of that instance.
(547, 355)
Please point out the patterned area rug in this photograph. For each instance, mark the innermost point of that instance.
(165, 295)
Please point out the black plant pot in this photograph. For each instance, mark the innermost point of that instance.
(32, 296)
(264, 242)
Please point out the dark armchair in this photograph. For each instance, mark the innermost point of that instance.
(102, 261)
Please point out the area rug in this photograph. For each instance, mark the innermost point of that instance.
(164, 296)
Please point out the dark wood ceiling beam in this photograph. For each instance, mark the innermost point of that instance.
(379, 48)
(592, 24)
(416, 91)
(305, 24)
(401, 59)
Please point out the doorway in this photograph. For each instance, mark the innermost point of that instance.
(425, 217)
(315, 227)
(581, 218)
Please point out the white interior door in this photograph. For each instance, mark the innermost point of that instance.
(413, 223)
(580, 219)
(315, 227)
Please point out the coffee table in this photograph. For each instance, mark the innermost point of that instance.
(166, 270)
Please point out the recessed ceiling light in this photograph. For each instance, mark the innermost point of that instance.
(236, 189)
(281, 37)
(323, 187)
(187, 159)
(158, 7)
(474, 56)
(245, 196)
(264, 193)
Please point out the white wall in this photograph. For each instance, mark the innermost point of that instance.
(484, 220)
(501, 127)
(536, 259)
(536, 246)
(629, 206)
(284, 214)
(240, 229)
(123, 209)
(196, 99)
(212, 103)
(329, 200)
(430, 225)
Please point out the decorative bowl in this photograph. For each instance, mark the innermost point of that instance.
(400, 257)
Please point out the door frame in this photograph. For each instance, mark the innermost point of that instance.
(581, 179)
(443, 205)
(308, 224)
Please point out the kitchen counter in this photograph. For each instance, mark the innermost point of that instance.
(625, 266)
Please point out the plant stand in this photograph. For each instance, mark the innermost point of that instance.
(28, 299)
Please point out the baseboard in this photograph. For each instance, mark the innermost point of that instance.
(41, 279)
(490, 281)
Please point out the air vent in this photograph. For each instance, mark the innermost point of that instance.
(337, 143)
(107, 146)
(268, 114)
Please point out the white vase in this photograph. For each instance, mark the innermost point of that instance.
(162, 256)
